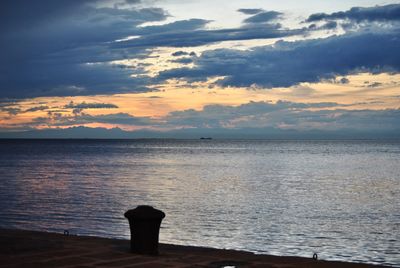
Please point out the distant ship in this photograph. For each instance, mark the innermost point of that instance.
(205, 138)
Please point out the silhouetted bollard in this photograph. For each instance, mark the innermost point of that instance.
(144, 222)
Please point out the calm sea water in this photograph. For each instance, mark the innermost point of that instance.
(337, 198)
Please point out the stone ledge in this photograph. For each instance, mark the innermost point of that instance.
(20, 248)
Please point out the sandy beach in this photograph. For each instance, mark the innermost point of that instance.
(39, 249)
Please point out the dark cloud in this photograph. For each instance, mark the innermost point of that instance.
(11, 110)
(59, 79)
(202, 37)
(263, 17)
(250, 11)
(183, 53)
(330, 25)
(183, 60)
(59, 119)
(375, 84)
(85, 105)
(24, 14)
(37, 108)
(289, 63)
(179, 53)
(359, 14)
(287, 115)
(17, 110)
(119, 118)
(45, 49)
(133, 2)
(312, 27)
(75, 22)
(173, 27)
(216, 116)
(79, 107)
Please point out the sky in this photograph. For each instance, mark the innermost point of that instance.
(169, 68)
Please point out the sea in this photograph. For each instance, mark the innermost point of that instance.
(339, 199)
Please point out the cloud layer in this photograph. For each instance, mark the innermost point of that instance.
(87, 48)
(254, 119)
(61, 48)
(359, 14)
(287, 115)
(67, 48)
(289, 63)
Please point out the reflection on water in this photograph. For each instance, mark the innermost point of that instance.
(339, 199)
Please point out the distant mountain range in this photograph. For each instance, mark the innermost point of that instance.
(248, 133)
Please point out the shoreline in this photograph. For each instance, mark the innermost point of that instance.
(23, 248)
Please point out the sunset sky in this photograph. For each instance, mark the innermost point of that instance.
(200, 67)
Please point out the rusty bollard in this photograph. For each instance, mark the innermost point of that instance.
(144, 222)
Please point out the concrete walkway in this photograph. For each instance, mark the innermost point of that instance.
(37, 249)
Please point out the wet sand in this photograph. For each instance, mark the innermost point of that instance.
(38, 249)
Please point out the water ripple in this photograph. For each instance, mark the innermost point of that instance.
(336, 198)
